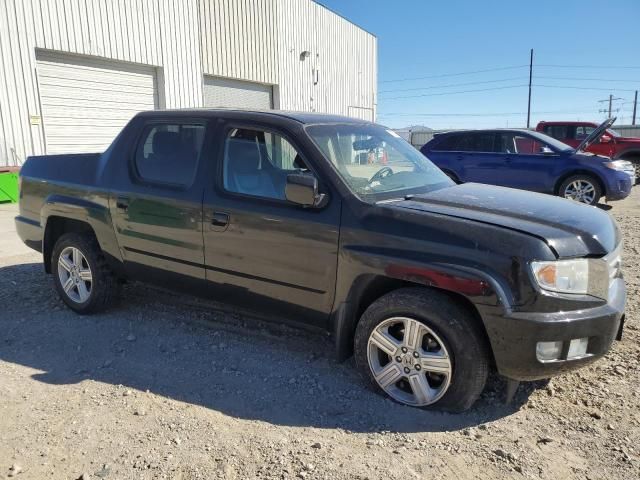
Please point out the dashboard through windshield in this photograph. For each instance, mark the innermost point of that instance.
(375, 162)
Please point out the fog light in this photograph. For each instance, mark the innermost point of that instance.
(577, 348)
(548, 351)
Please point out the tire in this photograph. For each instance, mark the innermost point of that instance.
(581, 188)
(451, 342)
(100, 285)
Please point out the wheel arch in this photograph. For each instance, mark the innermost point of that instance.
(571, 173)
(61, 214)
(57, 226)
(632, 154)
(369, 288)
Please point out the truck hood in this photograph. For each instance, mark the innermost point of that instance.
(570, 229)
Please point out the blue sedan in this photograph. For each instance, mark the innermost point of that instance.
(531, 161)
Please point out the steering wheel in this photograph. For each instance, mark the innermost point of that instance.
(380, 174)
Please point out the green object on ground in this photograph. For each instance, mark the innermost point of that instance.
(8, 187)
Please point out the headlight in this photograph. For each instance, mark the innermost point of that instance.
(566, 276)
(581, 276)
(620, 165)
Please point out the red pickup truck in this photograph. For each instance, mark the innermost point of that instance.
(611, 144)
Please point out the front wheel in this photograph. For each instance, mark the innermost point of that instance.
(581, 188)
(421, 349)
(80, 273)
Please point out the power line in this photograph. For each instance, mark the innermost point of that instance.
(455, 93)
(586, 79)
(584, 88)
(493, 114)
(450, 85)
(504, 87)
(498, 69)
(587, 66)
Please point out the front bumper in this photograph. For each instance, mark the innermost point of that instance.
(514, 336)
(619, 186)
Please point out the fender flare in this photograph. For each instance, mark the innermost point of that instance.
(579, 171)
(95, 215)
(479, 288)
(630, 151)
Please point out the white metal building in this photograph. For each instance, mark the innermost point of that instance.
(73, 72)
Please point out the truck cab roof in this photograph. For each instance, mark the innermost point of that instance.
(300, 117)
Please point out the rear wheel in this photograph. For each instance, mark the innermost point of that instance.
(421, 349)
(80, 273)
(581, 188)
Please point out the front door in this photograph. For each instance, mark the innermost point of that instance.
(157, 208)
(260, 249)
(527, 164)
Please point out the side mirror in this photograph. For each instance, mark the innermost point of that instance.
(605, 139)
(302, 189)
(546, 151)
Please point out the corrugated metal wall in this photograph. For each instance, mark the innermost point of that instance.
(162, 33)
(340, 70)
(628, 130)
(239, 39)
(254, 40)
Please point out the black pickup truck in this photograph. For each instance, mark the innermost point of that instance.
(341, 225)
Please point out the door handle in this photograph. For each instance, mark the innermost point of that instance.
(220, 219)
(122, 203)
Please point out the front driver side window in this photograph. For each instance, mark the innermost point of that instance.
(257, 163)
(518, 144)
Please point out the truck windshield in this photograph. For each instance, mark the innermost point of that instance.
(375, 162)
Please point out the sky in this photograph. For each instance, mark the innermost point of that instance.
(583, 52)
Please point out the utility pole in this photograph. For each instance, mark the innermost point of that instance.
(635, 106)
(610, 100)
(530, 79)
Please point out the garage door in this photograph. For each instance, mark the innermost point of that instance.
(229, 93)
(85, 102)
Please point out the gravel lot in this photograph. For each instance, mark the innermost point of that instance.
(168, 386)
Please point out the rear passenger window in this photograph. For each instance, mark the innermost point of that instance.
(447, 144)
(480, 142)
(557, 131)
(168, 153)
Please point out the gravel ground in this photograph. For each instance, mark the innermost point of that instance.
(168, 386)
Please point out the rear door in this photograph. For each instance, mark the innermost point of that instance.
(157, 204)
(262, 251)
(478, 160)
(444, 152)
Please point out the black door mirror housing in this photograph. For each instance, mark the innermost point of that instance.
(302, 189)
